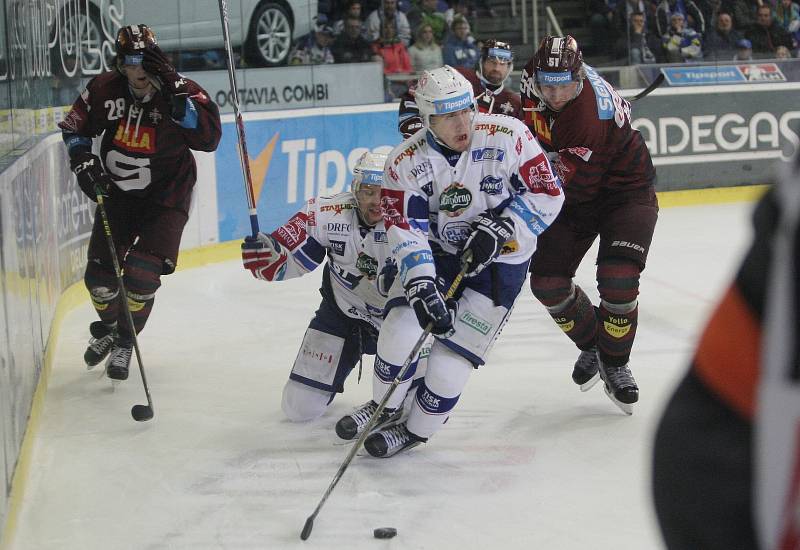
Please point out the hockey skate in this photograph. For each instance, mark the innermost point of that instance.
(100, 345)
(350, 426)
(620, 386)
(586, 372)
(119, 361)
(391, 440)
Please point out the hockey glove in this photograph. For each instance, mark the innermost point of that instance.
(489, 234)
(92, 178)
(156, 63)
(430, 306)
(264, 257)
(386, 277)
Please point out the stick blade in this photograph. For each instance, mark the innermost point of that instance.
(142, 413)
(306, 532)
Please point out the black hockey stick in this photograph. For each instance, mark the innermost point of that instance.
(244, 157)
(140, 413)
(309, 525)
(652, 86)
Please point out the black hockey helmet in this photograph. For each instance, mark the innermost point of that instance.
(498, 51)
(131, 43)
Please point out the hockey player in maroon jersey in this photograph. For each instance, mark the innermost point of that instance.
(488, 84)
(148, 118)
(608, 180)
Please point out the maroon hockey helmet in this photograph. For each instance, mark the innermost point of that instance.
(131, 43)
(557, 61)
(558, 54)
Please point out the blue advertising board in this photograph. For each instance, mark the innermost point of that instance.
(293, 158)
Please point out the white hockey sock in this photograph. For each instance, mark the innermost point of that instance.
(445, 378)
(399, 332)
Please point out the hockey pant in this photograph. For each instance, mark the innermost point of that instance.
(483, 309)
(332, 345)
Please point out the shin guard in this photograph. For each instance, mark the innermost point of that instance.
(570, 308)
(618, 283)
(142, 278)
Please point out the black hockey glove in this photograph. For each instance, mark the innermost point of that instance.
(430, 306)
(92, 178)
(156, 63)
(489, 234)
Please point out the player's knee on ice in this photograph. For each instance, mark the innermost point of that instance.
(301, 403)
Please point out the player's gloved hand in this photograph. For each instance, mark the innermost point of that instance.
(489, 234)
(430, 306)
(264, 257)
(156, 63)
(92, 178)
(386, 277)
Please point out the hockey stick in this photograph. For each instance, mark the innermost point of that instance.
(244, 158)
(652, 86)
(309, 525)
(140, 413)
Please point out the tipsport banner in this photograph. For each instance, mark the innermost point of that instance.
(302, 154)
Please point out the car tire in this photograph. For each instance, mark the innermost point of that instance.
(269, 39)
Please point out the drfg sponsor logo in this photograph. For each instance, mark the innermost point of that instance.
(729, 132)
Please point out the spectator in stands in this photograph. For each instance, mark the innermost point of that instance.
(744, 50)
(638, 45)
(742, 11)
(766, 34)
(457, 7)
(426, 13)
(353, 10)
(692, 16)
(392, 50)
(782, 52)
(425, 53)
(787, 14)
(626, 9)
(720, 42)
(681, 44)
(601, 22)
(314, 48)
(387, 14)
(710, 10)
(350, 46)
(459, 49)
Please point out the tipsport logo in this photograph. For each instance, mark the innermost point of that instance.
(451, 105)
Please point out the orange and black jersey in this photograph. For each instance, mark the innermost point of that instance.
(598, 150)
(490, 101)
(729, 354)
(146, 152)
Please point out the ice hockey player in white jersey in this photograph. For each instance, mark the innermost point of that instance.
(465, 181)
(347, 228)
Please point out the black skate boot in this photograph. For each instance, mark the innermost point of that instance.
(586, 372)
(390, 441)
(350, 426)
(120, 359)
(103, 337)
(620, 386)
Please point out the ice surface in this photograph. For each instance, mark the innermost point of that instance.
(527, 460)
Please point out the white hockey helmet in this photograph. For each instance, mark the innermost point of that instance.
(366, 185)
(443, 90)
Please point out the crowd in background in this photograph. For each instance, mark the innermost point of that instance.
(675, 31)
(407, 36)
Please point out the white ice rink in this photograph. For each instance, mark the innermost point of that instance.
(526, 461)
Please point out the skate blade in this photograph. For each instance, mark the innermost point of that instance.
(589, 384)
(403, 450)
(341, 442)
(627, 408)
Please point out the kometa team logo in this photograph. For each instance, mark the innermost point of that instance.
(454, 200)
(491, 185)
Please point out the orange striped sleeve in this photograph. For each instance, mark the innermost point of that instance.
(728, 356)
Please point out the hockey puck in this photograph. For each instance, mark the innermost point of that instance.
(384, 532)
